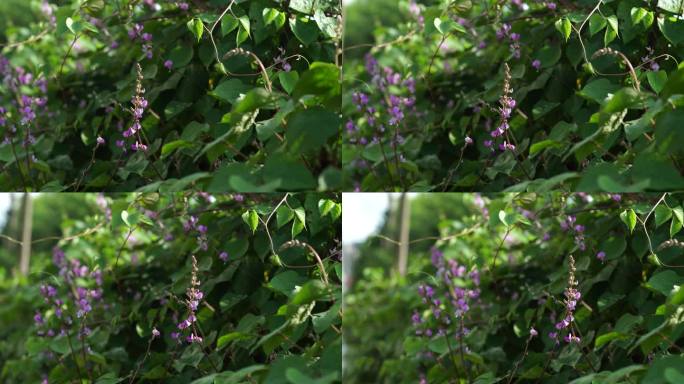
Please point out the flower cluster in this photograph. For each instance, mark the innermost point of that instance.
(193, 298)
(136, 34)
(193, 225)
(504, 33)
(648, 60)
(27, 102)
(506, 106)
(453, 303)
(569, 225)
(67, 313)
(572, 296)
(139, 104)
(449, 303)
(384, 117)
(416, 12)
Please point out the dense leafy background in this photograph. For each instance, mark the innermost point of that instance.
(219, 118)
(630, 319)
(270, 313)
(582, 121)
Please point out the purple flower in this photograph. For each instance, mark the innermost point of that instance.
(168, 64)
(533, 332)
(224, 256)
(183, 6)
(194, 338)
(100, 140)
(155, 333)
(468, 140)
(536, 64)
(601, 256)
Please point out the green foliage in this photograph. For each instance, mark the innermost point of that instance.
(586, 118)
(223, 81)
(270, 311)
(629, 318)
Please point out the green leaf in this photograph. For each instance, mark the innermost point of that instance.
(286, 282)
(297, 228)
(613, 23)
(447, 25)
(321, 80)
(181, 55)
(663, 213)
(674, 6)
(226, 339)
(288, 172)
(564, 26)
(637, 14)
(251, 217)
(288, 80)
(328, 25)
(310, 129)
(245, 24)
(196, 27)
(548, 55)
(629, 218)
(304, 29)
(506, 219)
(664, 282)
(657, 80)
(608, 36)
(608, 337)
(618, 375)
(544, 144)
(170, 147)
(596, 23)
(124, 218)
(303, 6)
(109, 378)
(228, 24)
(325, 206)
(678, 211)
(672, 28)
(230, 90)
(283, 215)
(623, 99)
(598, 90)
(300, 213)
(269, 15)
(675, 227)
(662, 369)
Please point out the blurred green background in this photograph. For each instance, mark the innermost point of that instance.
(16, 13)
(379, 301)
(49, 213)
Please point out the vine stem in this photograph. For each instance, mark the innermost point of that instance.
(16, 160)
(147, 353)
(517, 363)
(73, 355)
(648, 237)
(460, 344)
(83, 349)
